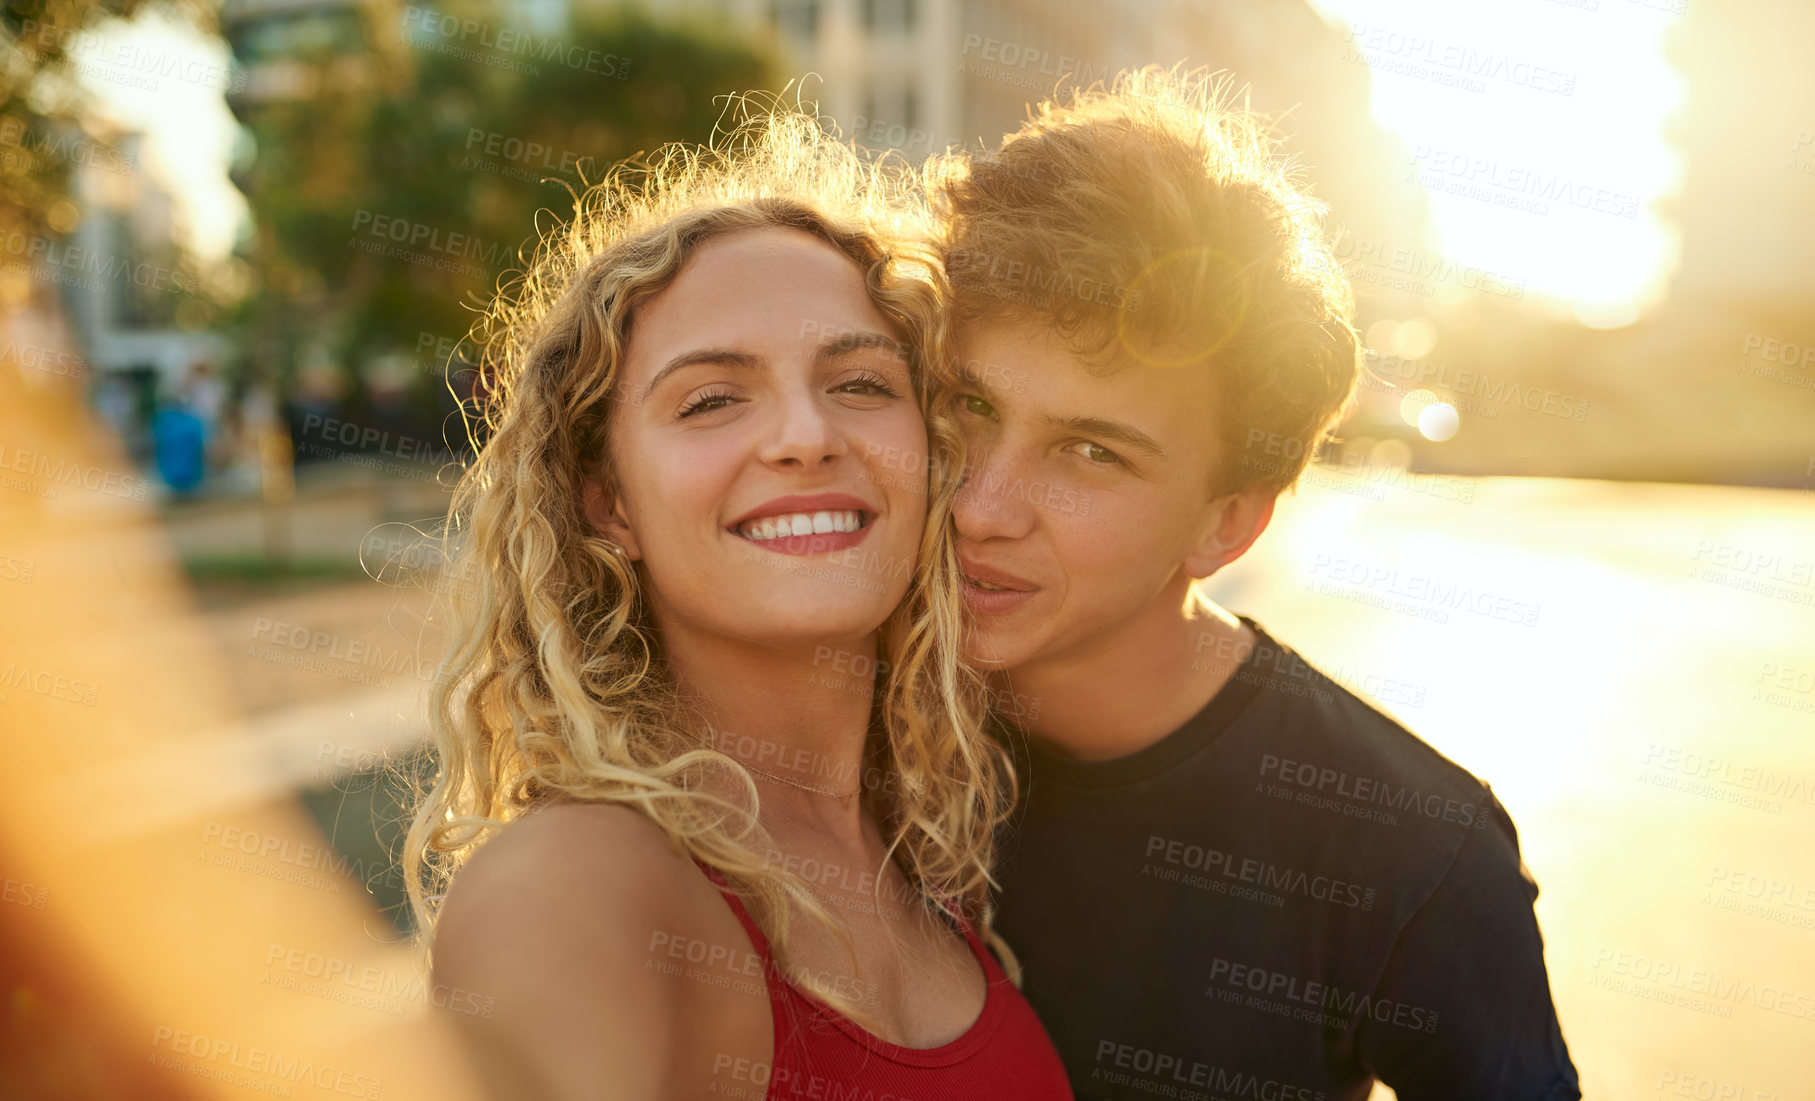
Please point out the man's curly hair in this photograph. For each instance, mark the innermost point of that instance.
(1154, 221)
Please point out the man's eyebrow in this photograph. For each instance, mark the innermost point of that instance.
(972, 379)
(724, 356)
(1110, 430)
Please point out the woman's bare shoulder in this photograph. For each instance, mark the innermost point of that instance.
(567, 847)
(555, 921)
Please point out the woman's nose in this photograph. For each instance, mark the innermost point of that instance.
(804, 433)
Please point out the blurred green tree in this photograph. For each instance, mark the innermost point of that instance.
(391, 197)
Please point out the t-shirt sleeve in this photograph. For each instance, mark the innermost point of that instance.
(1472, 956)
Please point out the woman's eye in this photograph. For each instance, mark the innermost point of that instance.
(868, 384)
(705, 403)
(1096, 453)
(974, 405)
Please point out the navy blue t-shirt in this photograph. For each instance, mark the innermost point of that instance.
(1289, 896)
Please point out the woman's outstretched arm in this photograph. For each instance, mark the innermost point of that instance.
(564, 923)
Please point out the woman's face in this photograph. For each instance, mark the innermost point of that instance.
(769, 450)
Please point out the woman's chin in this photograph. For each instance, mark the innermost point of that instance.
(808, 596)
(802, 624)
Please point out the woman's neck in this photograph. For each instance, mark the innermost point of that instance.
(797, 718)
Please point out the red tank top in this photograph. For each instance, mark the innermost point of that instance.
(1005, 1055)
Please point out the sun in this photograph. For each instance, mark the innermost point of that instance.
(1537, 131)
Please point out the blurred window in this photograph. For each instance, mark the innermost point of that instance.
(316, 32)
(797, 18)
(888, 16)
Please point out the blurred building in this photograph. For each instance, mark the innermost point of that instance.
(129, 292)
(921, 76)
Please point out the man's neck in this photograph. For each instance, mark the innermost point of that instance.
(1135, 686)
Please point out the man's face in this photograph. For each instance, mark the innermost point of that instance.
(1087, 488)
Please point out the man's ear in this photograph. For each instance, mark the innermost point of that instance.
(605, 512)
(1232, 523)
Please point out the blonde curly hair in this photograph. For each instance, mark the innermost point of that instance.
(553, 686)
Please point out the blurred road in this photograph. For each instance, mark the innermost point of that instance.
(329, 672)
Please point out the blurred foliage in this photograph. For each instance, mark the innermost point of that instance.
(47, 119)
(437, 152)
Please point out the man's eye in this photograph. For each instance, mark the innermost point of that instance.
(1096, 453)
(975, 406)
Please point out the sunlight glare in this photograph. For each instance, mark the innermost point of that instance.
(1537, 132)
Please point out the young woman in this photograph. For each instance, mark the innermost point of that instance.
(710, 774)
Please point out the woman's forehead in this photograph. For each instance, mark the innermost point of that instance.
(772, 284)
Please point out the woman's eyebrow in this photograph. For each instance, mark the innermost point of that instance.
(831, 348)
(722, 356)
(857, 340)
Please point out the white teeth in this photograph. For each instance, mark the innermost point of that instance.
(984, 585)
(801, 523)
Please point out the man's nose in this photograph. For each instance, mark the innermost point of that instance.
(987, 505)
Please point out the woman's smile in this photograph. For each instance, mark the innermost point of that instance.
(816, 524)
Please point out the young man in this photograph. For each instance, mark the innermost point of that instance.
(1231, 878)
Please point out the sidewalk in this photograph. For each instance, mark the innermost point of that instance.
(340, 656)
(336, 508)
